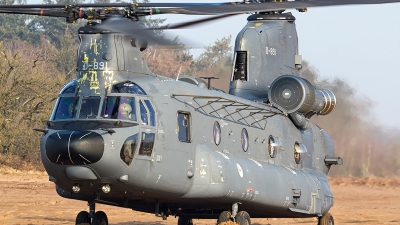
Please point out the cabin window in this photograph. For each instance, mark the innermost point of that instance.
(117, 107)
(217, 133)
(89, 107)
(147, 144)
(128, 87)
(273, 146)
(245, 140)
(143, 114)
(128, 149)
(184, 126)
(300, 152)
(152, 113)
(66, 108)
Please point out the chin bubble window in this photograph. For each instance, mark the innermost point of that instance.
(128, 149)
(245, 140)
(217, 133)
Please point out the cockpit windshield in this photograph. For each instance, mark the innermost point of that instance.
(128, 87)
(118, 107)
(89, 107)
(119, 104)
(67, 108)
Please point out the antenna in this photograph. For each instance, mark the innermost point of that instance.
(209, 81)
(179, 72)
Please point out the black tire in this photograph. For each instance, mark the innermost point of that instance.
(82, 218)
(243, 218)
(225, 216)
(185, 221)
(327, 219)
(100, 218)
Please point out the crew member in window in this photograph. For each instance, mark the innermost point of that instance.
(125, 111)
(296, 156)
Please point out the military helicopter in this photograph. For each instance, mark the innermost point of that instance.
(121, 135)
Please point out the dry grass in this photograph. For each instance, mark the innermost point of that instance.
(11, 171)
(16, 165)
(371, 181)
(228, 223)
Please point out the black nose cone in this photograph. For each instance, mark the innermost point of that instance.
(74, 147)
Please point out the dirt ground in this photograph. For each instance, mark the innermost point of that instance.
(29, 198)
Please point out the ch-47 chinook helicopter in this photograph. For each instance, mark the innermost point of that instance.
(121, 135)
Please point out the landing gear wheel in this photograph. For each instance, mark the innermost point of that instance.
(225, 216)
(82, 218)
(327, 219)
(243, 218)
(185, 221)
(100, 218)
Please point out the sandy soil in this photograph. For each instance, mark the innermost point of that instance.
(29, 198)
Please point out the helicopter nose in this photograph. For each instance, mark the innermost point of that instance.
(74, 147)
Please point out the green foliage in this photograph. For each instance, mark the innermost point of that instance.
(14, 26)
(217, 54)
(215, 61)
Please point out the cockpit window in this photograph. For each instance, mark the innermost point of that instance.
(151, 112)
(128, 87)
(66, 108)
(117, 107)
(89, 107)
(70, 88)
(143, 114)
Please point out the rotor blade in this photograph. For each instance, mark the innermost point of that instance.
(270, 6)
(193, 23)
(180, 4)
(63, 6)
(37, 12)
(132, 29)
(100, 5)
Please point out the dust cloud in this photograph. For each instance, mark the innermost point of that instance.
(367, 147)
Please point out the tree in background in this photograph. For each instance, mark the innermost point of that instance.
(215, 61)
(14, 26)
(29, 84)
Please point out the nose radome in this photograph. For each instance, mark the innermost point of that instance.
(74, 147)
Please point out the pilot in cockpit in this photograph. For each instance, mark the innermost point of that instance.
(125, 112)
(89, 108)
(87, 112)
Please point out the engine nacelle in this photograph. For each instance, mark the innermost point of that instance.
(291, 94)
